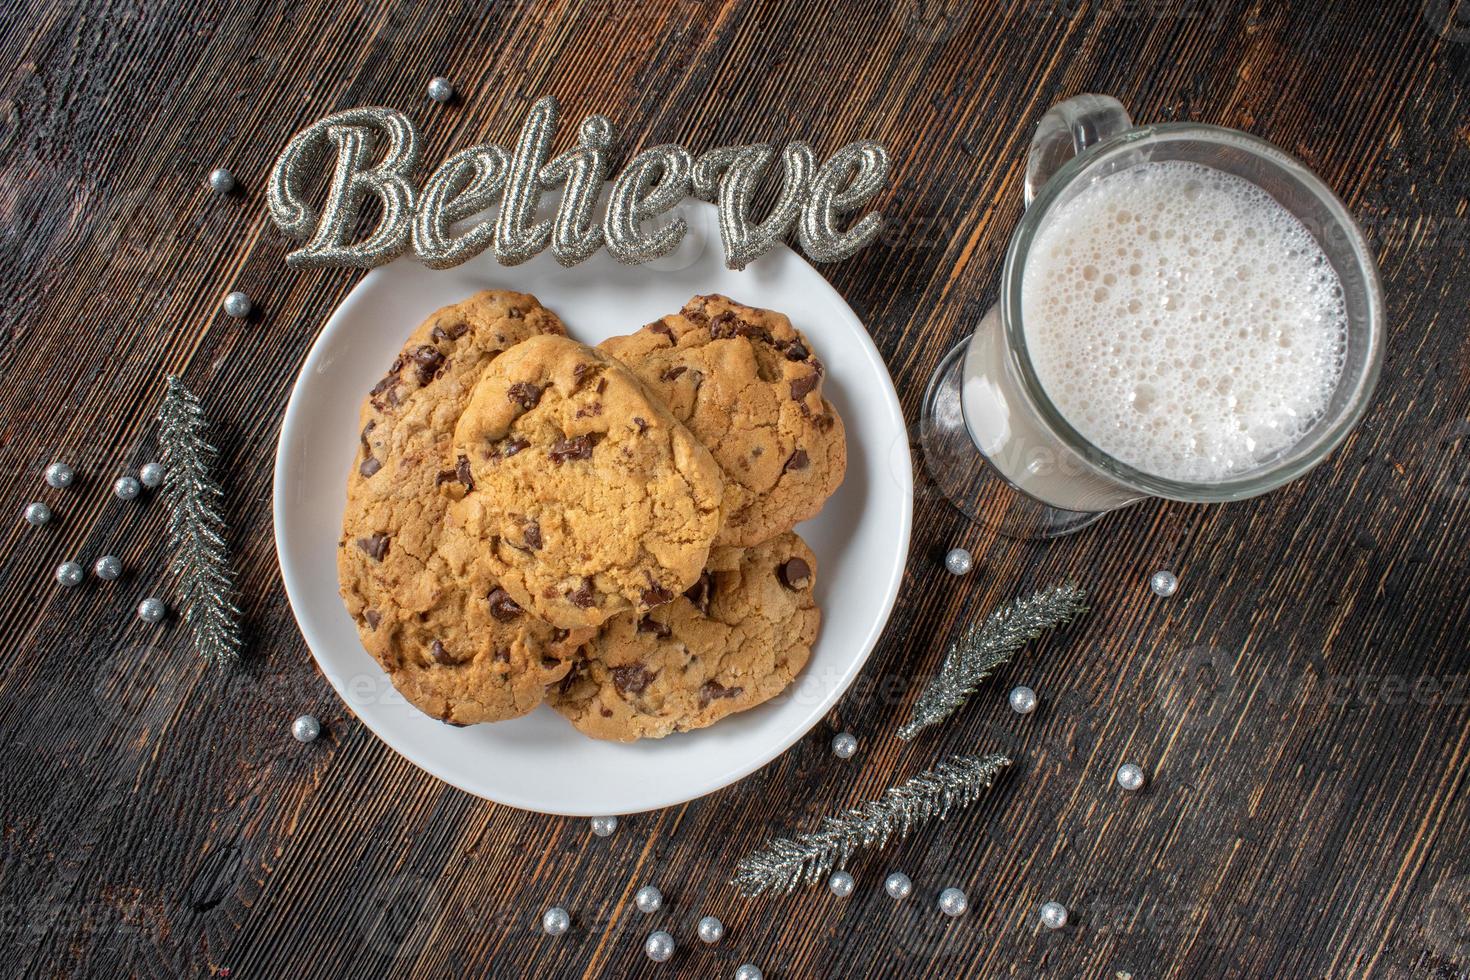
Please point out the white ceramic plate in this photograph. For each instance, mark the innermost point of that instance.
(540, 762)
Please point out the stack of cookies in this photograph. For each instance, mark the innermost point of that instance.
(605, 529)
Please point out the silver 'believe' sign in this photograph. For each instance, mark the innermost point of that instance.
(372, 153)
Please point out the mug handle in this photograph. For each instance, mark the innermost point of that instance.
(1066, 130)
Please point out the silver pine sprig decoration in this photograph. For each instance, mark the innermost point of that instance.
(985, 646)
(785, 863)
(201, 563)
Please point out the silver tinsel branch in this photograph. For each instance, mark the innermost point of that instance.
(785, 863)
(201, 562)
(985, 646)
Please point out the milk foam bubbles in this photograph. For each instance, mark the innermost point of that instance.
(1183, 321)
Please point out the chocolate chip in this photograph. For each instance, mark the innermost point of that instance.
(550, 662)
(695, 308)
(713, 690)
(366, 446)
(605, 712)
(453, 332)
(580, 373)
(502, 606)
(723, 326)
(453, 724)
(797, 461)
(585, 596)
(572, 677)
(375, 547)
(825, 422)
(443, 477)
(701, 592)
(726, 325)
(440, 656)
(642, 424)
(388, 385)
(370, 466)
(656, 594)
(372, 618)
(590, 411)
(509, 448)
(795, 351)
(664, 329)
(804, 385)
(650, 625)
(462, 472)
(514, 312)
(795, 574)
(524, 394)
(577, 447)
(601, 385)
(672, 373)
(427, 363)
(532, 535)
(631, 679)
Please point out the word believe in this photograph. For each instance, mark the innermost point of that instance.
(372, 153)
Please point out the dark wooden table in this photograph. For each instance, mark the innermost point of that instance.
(1301, 703)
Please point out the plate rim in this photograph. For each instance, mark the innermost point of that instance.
(903, 476)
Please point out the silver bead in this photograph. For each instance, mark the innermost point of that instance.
(238, 305)
(648, 899)
(898, 885)
(37, 514)
(1022, 699)
(69, 574)
(711, 930)
(953, 902)
(659, 946)
(126, 488)
(844, 745)
(841, 884)
(749, 971)
(441, 89)
(60, 476)
(108, 568)
(152, 610)
(1054, 915)
(1130, 777)
(604, 826)
(151, 475)
(305, 728)
(555, 921)
(221, 181)
(1164, 583)
(959, 562)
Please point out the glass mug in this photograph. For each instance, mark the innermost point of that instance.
(996, 445)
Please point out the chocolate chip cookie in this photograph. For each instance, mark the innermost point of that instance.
(735, 639)
(587, 497)
(451, 639)
(749, 387)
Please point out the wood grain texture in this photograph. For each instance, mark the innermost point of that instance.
(1302, 704)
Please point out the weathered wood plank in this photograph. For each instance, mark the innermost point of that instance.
(1301, 704)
